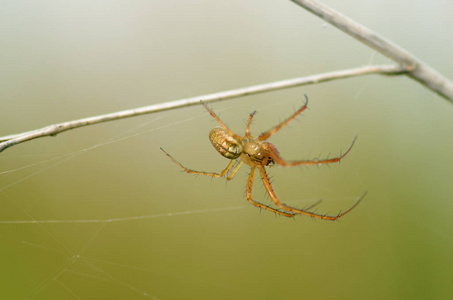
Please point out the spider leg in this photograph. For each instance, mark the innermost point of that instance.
(271, 192)
(280, 161)
(235, 169)
(247, 129)
(313, 205)
(231, 133)
(265, 135)
(258, 204)
(213, 174)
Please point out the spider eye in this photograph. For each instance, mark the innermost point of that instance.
(225, 144)
(270, 162)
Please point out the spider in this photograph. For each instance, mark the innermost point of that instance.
(259, 154)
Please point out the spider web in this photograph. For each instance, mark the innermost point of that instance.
(74, 261)
(101, 213)
(74, 257)
(72, 232)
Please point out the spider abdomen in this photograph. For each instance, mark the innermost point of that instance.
(225, 144)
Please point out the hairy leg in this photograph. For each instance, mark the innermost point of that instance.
(258, 204)
(213, 174)
(276, 200)
(265, 135)
(280, 161)
(231, 133)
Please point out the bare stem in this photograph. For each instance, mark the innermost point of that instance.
(414, 67)
(52, 130)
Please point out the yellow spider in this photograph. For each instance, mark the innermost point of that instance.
(259, 154)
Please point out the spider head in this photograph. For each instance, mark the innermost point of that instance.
(256, 154)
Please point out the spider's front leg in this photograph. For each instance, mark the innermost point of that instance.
(273, 152)
(265, 135)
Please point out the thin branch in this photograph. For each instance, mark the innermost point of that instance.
(414, 67)
(52, 130)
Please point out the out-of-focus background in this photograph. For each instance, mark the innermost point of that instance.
(178, 236)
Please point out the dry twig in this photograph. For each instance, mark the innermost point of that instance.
(52, 130)
(414, 67)
(408, 64)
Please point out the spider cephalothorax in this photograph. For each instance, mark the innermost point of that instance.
(259, 154)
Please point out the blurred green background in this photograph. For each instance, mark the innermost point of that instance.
(177, 236)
